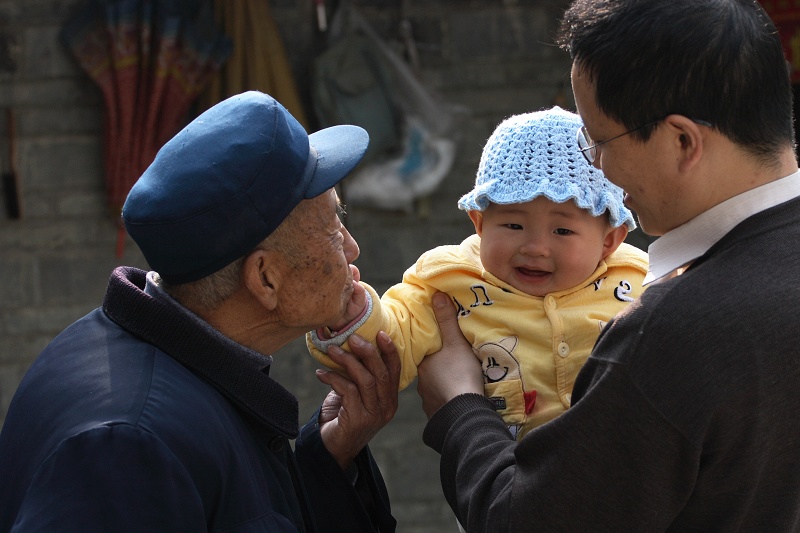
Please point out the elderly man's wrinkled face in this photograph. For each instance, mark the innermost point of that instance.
(322, 277)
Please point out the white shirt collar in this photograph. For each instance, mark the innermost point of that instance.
(686, 243)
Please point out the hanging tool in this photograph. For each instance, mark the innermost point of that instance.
(11, 188)
(322, 17)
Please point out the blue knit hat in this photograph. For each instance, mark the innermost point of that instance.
(536, 154)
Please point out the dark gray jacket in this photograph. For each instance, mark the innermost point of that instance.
(685, 417)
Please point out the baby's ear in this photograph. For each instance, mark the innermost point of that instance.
(613, 239)
(477, 220)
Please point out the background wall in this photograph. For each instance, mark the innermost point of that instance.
(494, 57)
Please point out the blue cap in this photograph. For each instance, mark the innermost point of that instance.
(536, 154)
(227, 180)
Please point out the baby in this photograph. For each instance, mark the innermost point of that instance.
(533, 288)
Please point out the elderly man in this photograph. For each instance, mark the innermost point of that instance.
(685, 416)
(156, 412)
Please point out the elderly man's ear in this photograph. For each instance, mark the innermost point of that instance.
(262, 277)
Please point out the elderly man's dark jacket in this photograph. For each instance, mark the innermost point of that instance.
(136, 418)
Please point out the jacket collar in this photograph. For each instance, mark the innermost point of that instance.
(237, 372)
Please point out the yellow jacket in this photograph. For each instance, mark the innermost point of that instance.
(531, 348)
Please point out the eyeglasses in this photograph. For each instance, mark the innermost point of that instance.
(589, 148)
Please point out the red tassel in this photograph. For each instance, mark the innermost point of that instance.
(530, 401)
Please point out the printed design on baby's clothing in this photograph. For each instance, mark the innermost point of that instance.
(503, 382)
(497, 360)
(622, 291)
(477, 290)
(481, 298)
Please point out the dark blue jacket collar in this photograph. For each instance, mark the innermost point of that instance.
(237, 372)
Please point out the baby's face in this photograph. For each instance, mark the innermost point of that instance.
(539, 247)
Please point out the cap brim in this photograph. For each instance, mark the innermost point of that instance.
(339, 149)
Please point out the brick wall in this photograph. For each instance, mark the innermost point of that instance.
(494, 58)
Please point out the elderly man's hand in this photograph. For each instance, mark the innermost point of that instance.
(454, 369)
(357, 408)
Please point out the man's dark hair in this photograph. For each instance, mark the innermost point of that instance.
(715, 60)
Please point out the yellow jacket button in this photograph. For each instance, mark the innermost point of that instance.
(563, 349)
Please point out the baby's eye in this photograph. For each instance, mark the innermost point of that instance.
(562, 231)
(513, 226)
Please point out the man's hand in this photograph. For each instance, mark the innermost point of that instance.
(453, 370)
(357, 408)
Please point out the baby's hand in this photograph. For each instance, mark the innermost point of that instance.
(356, 305)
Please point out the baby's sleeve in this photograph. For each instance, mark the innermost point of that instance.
(404, 313)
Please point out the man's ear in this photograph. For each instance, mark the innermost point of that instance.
(613, 239)
(262, 277)
(477, 220)
(688, 140)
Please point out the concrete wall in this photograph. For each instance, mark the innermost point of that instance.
(495, 58)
